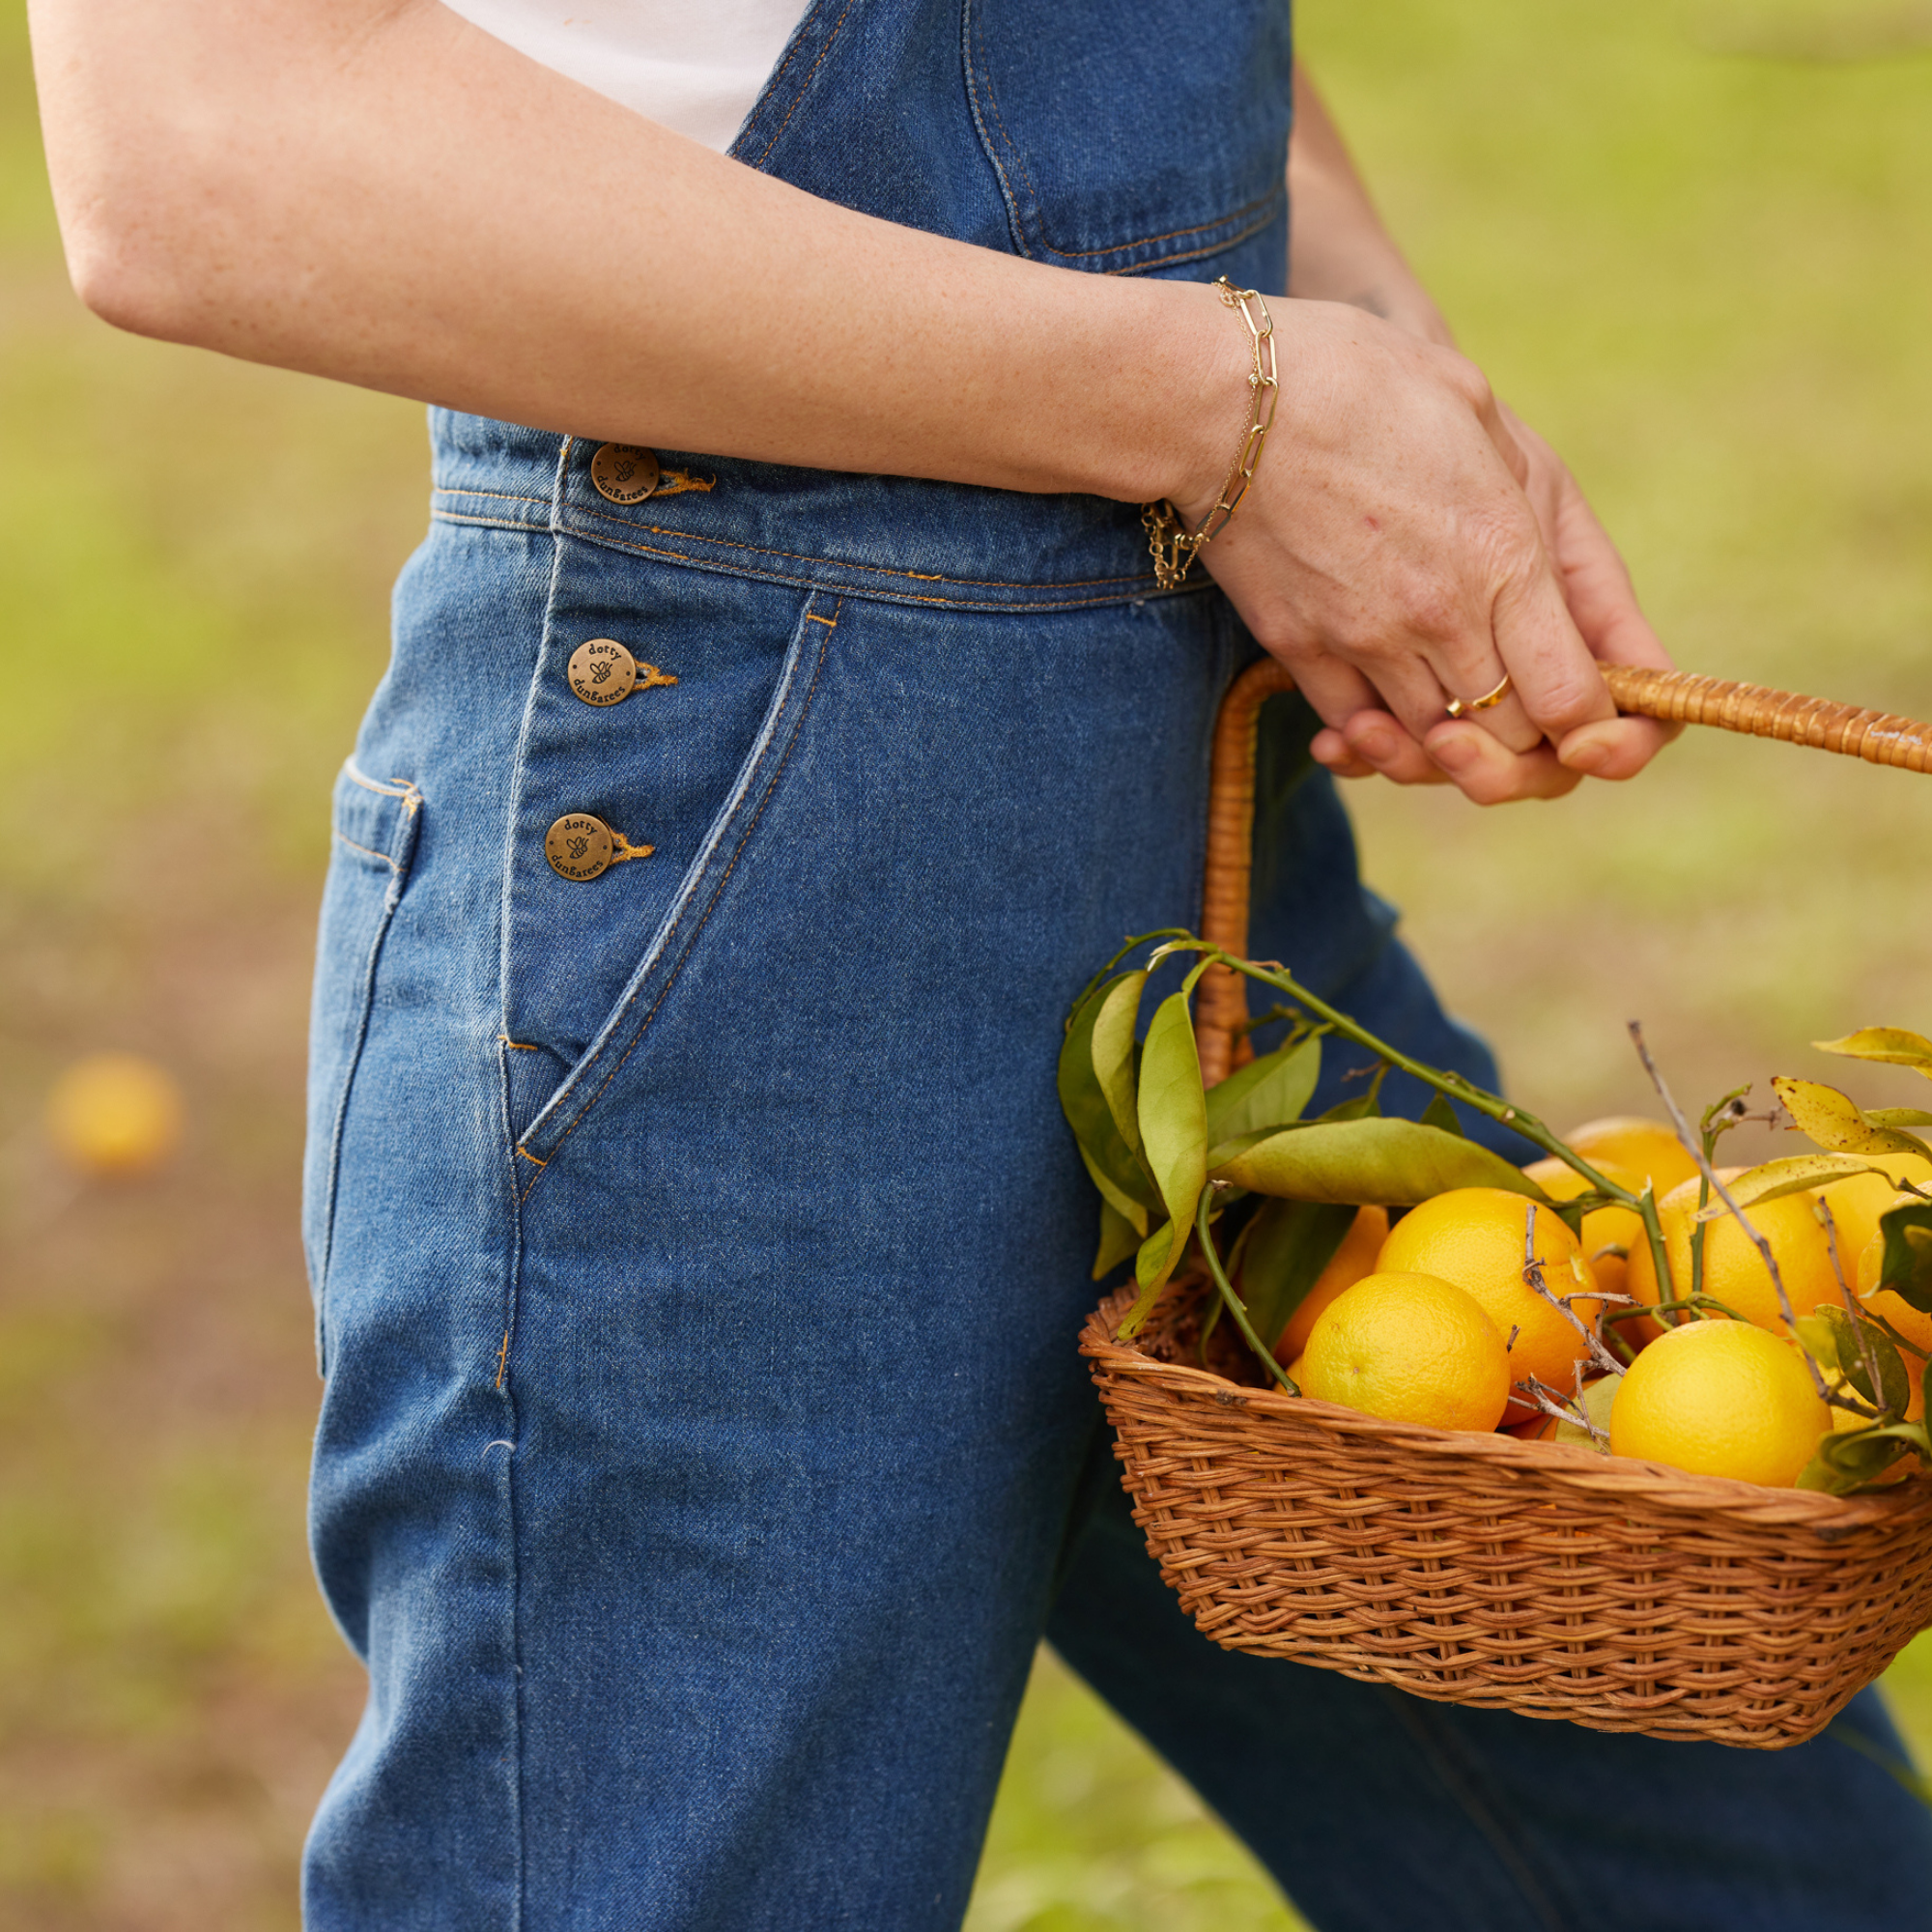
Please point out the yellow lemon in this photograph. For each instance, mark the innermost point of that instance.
(1721, 1399)
(1856, 1203)
(1478, 1237)
(1649, 1148)
(1734, 1271)
(1892, 1306)
(1412, 1349)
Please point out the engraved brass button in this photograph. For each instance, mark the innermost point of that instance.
(602, 672)
(579, 846)
(624, 473)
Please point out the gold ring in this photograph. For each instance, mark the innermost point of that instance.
(1461, 707)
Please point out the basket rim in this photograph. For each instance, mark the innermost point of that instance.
(1495, 1456)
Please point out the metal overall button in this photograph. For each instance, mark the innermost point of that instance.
(602, 672)
(580, 846)
(624, 473)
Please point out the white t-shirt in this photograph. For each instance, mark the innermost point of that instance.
(696, 66)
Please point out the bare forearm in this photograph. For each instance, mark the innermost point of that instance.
(1339, 249)
(387, 196)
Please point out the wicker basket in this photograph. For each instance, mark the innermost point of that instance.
(1484, 1569)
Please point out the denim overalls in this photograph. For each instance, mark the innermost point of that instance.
(697, 1249)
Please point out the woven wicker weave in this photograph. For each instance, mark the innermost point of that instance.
(1478, 1569)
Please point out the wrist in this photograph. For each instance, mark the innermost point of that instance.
(1197, 403)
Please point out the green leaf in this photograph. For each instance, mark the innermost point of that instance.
(1269, 1093)
(1850, 1459)
(1441, 1114)
(1907, 1268)
(1113, 1196)
(1173, 1119)
(1387, 1163)
(1835, 1120)
(1119, 1238)
(1833, 1340)
(1284, 1249)
(1116, 1019)
(1366, 1105)
(1109, 1159)
(1153, 1265)
(1892, 1045)
(1794, 1175)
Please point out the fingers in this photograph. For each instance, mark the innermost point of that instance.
(1374, 744)
(1488, 774)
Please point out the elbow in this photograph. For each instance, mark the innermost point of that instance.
(131, 265)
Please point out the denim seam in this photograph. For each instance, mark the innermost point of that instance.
(1016, 220)
(367, 851)
(518, 767)
(978, 80)
(804, 86)
(838, 563)
(1417, 1717)
(488, 495)
(1215, 247)
(711, 903)
(506, 1391)
(405, 790)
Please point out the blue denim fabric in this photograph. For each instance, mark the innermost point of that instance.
(698, 1250)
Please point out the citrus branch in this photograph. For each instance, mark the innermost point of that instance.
(1695, 1147)
(1236, 1307)
(1532, 1275)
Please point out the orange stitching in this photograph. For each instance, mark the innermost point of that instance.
(804, 87)
(718, 892)
(521, 1045)
(830, 623)
(528, 1155)
(503, 1358)
(1267, 202)
(369, 850)
(1193, 254)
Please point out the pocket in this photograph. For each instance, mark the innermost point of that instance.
(375, 824)
(716, 857)
(1114, 152)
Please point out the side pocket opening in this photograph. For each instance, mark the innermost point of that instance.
(698, 894)
(374, 823)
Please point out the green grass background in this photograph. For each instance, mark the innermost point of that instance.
(1689, 238)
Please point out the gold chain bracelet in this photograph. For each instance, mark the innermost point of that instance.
(1173, 549)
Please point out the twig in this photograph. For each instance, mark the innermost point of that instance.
(1236, 1307)
(1696, 1151)
(1539, 1394)
(1532, 1275)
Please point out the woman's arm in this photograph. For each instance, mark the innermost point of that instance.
(376, 191)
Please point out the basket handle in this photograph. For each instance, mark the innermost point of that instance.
(1675, 696)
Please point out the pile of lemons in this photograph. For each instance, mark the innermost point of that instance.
(1441, 1318)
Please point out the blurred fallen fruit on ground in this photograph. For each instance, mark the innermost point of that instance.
(114, 1116)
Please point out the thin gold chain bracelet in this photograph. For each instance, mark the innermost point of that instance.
(1175, 549)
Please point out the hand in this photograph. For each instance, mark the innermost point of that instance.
(1406, 541)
